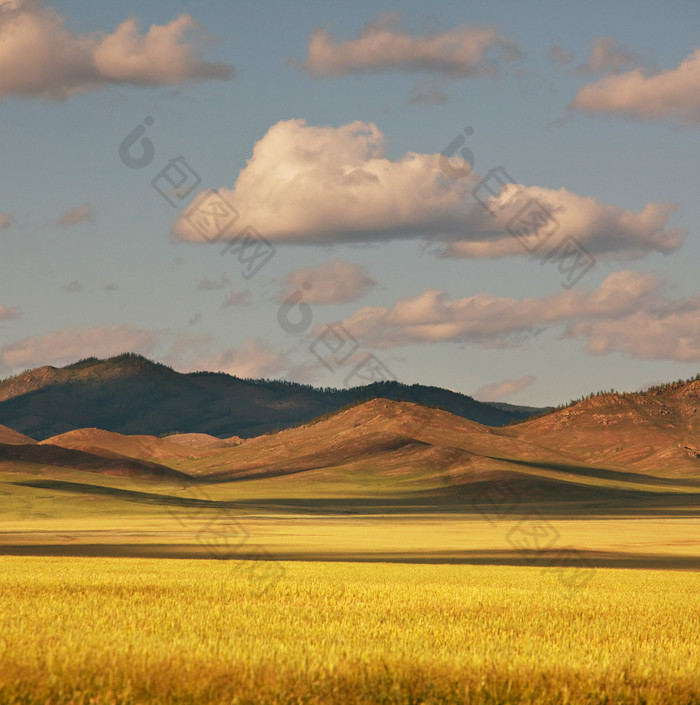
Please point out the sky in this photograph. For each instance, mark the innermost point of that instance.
(495, 198)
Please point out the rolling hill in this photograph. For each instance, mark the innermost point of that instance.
(142, 447)
(35, 458)
(10, 436)
(414, 456)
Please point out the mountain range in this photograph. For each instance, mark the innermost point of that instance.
(627, 452)
(130, 394)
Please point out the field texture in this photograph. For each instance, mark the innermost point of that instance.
(128, 631)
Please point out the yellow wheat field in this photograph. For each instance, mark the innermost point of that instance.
(133, 631)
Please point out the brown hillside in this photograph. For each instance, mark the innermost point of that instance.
(657, 431)
(10, 436)
(380, 433)
(15, 458)
(202, 440)
(118, 445)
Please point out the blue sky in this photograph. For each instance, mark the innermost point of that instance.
(592, 109)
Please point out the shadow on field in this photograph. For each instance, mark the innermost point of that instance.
(551, 497)
(605, 474)
(536, 558)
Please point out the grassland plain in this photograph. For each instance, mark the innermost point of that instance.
(113, 631)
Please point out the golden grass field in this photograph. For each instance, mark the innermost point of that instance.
(124, 631)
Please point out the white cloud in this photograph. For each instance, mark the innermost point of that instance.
(666, 330)
(335, 282)
(608, 55)
(306, 184)
(672, 94)
(79, 214)
(71, 343)
(6, 220)
(601, 229)
(627, 313)
(505, 389)
(325, 184)
(459, 53)
(40, 57)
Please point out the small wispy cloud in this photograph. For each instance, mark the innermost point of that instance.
(609, 56)
(428, 92)
(236, 298)
(502, 390)
(70, 343)
(77, 215)
(8, 312)
(382, 45)
(559, 55)
(335, 282)
(208, 284)
(254, 358)
(73, 287)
